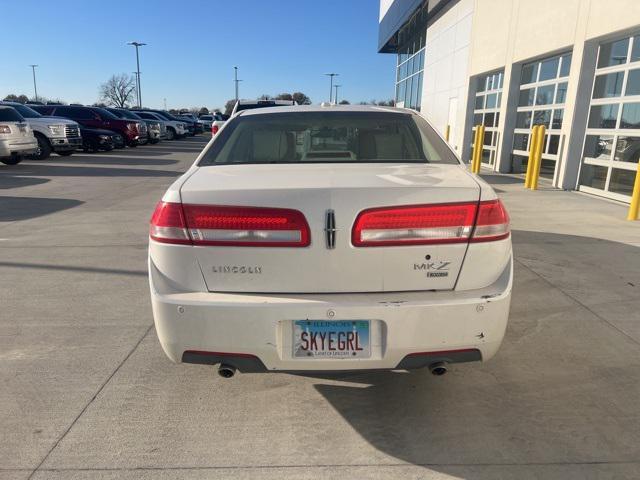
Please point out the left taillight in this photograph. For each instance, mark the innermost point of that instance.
(214, 129)
(229, 226)
(431, 224)
(167, 224)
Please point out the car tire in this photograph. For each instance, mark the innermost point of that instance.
(107, 149)
(44, 148)
(11, 160)
(171, 134)
(66, 153)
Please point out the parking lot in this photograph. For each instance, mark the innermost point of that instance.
(88, 393)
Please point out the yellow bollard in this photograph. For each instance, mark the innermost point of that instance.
(474, 153)
(447, 131)
(634, 208)
(535, 174)
(532, 143)
(477, 151)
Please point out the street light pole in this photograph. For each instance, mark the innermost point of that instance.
(138, 45)
(331, 75)
(236, 81)
(336, 97)
(35, 88)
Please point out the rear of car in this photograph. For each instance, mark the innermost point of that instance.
(341, 238)
(16, 137)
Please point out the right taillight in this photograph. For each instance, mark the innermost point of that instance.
(229, 226)
(492, 222)
(214, 129)
(431, 224)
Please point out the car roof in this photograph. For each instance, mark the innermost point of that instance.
(326, 108)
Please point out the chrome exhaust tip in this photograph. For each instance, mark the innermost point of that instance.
(438, 368)
(226, 371)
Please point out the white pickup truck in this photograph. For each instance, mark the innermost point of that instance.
(54, 134)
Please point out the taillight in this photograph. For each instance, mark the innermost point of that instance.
(214, 129)
(232, 226)
(414, 225)
(492, 223)
(431, 224)
(167, 224)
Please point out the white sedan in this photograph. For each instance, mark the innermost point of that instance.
(317, 238)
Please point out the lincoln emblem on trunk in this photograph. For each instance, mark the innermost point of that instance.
(330, 229)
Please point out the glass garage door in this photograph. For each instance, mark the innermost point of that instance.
(543, 89)
(612, 140)
(486, 111)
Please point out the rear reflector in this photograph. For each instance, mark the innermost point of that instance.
(232, 226)
(431, 224)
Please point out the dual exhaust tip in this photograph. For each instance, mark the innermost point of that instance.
(438, 369)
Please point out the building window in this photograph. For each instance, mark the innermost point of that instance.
(543, 92)
(411, 51)
(612, 139)
(486, 112)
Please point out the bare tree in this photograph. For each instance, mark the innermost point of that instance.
(118, 90)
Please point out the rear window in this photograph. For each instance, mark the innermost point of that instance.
(8, 114)
(328, 137)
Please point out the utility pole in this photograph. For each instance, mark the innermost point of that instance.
(336, 97)
(236, 81)
(35, 88)
(138, 45)
(331, 75)
(165, 103)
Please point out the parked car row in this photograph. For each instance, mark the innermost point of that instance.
(37, 131)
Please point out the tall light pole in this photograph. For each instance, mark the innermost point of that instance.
(138, 45)
(35, 88)
(336, 97)
(236, 81)
(165, 103)
(331, 75)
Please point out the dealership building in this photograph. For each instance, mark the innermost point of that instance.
(571, 65)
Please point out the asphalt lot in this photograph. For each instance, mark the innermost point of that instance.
(86, 391)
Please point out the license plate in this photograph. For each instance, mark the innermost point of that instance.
(331, 339)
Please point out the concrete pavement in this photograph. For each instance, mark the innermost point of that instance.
(87, 392)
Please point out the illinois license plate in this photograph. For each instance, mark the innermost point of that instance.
(331, 339)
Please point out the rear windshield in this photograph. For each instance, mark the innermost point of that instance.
(8, 114)
(328, 137)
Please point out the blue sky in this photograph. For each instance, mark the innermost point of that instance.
(278, 45)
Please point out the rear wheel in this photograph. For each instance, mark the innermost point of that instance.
(171, 134)
(66, 153)
(44, 148)
(11, 160)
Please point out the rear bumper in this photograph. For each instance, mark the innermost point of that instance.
(253, 332)
(23, 146)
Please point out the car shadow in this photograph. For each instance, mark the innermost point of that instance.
(48, 170)
(8, 181)
(24, 208)
(130, 152)
(550, 396)
(119, 160)
(497, 179)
